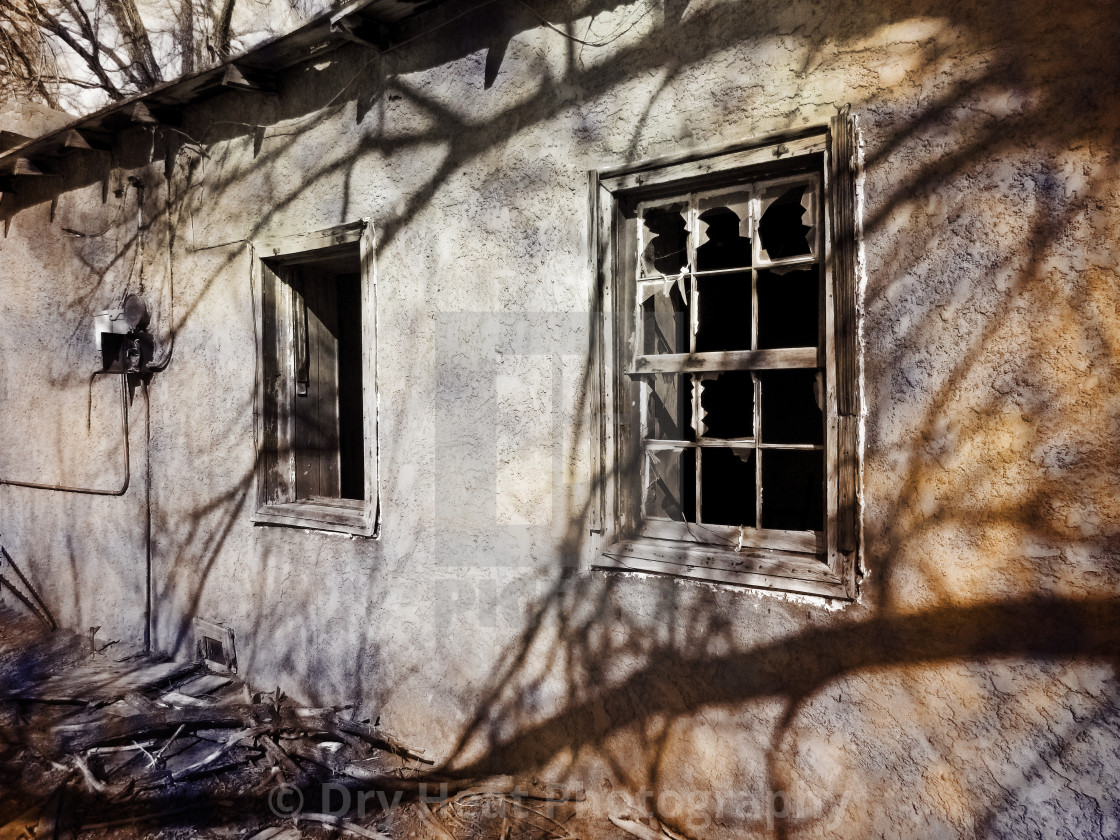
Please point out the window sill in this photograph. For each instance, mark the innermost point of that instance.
(346, 516)
(775, 570)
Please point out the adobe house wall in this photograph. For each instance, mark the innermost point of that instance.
(970, 690)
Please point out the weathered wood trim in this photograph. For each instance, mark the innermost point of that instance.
(322, 516)
(842, 169)
(765, 149)
(775, 570)
(596, 307)
(822, 564)
(804, 542)
(847, 513)
(275, 456)
(786, 357)
(301, 247)
(842, 164)
(260, 448)
(367, 250)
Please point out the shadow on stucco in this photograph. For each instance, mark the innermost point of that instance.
(987, 624)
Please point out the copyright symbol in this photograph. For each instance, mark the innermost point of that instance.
(285, 800)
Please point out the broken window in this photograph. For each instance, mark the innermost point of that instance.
(315, 407)
(738, 460)
(727, 253)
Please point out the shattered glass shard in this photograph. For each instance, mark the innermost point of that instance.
(665, 318)
(781, 229)
(670, 485)
(668, 407)
(666, 241)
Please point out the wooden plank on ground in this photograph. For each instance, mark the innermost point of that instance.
(104, 682)
(204, 684)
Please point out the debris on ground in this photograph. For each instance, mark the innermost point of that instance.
(97, 742)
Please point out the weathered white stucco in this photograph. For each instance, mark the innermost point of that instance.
(971, 690)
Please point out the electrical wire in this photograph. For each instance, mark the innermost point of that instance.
(93, 491)
(600, 43)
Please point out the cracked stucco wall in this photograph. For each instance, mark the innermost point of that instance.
(970, 692)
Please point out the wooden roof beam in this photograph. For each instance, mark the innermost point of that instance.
(75, 141)
(24, 166)
(360, 30)
(138, 112)
(240, 79)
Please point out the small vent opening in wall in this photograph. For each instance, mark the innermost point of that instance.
(214, 645)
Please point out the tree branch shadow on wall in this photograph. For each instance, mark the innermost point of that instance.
(607, 671)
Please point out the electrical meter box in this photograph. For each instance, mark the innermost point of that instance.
(120, 335)
(110, 321)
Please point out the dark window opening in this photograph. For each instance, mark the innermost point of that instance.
(780, 230)
(793, 489)
(791, 406)
(727, 486)
(328, 438)
(788, 309)
(727, 400)
(723, 314)
(666, 250)
(732, 422)
(725, 247)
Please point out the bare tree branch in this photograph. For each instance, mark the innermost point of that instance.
(59, 50)
(223, 24)
(136, 42)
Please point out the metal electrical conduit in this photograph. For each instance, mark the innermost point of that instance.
(124, 430)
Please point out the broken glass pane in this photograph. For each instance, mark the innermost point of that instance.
(727, 401)
(665, 317)
(727, 486)
(670, 485)
(665, 238)
(788, 309)
(723, 245)
(786, 221)
(792, 489)
(790, 403)
(723, 312)
(669, 407)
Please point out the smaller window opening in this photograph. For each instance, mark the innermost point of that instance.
(316, 406)
(212, 649)
(328, 440)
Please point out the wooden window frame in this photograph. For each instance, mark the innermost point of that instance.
(275, 390)
(774, 560)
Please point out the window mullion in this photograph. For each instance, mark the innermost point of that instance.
(756, 385)
(694, 379)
